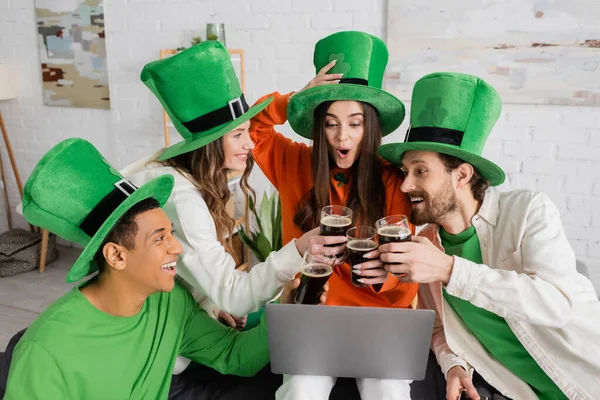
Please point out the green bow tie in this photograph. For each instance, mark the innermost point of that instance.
(341, 178)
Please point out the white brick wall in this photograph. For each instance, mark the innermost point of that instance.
(550, 148)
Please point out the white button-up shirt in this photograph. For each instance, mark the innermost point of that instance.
(529, 278)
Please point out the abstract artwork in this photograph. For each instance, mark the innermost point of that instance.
(73, 53)
(532, 51)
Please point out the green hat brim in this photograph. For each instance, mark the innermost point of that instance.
(159, 188)
(301, 109)
(394, 152)
(213, 134)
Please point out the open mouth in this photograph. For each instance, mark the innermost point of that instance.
(242, 157)
(416, 199)
(169, 267)
(343, 153)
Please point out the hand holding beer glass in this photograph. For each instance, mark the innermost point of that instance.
(360, 241)
(314, 274)
(393, 229)
(335, 221)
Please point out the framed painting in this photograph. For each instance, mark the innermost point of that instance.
(531, 51)
(72, 52)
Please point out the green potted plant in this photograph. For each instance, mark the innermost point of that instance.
(268, 236)
(196, 40)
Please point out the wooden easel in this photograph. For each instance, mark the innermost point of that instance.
(5, 189)
(13, 163)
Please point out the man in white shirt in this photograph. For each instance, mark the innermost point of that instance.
(513, 313)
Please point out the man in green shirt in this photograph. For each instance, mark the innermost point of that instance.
(512, 310)
(117, 335)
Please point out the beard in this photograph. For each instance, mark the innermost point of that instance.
(436, 207)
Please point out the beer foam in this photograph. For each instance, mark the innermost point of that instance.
(308, 270)
(336, 220)
(362, 245)
(394, 231)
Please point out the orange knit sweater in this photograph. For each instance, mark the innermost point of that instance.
(287, 165)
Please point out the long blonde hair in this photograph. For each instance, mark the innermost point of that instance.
(204, 168)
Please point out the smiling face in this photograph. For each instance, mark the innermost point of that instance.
(344, 130)
(141, 250)
(151, 262)
(429, 186)
(237, 146)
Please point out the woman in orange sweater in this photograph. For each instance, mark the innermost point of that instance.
(346, 114)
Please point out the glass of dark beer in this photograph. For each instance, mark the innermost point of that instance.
(335, 221)
(314, 273)
(360, 241)
(393, 229)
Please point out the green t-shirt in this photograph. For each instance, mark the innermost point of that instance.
(75, 351)
(492, 330)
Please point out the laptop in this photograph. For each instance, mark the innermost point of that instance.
(352, 342)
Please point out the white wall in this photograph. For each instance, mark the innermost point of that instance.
(556, 150)
(550, 148)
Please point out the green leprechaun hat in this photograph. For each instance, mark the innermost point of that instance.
(75, 193)
(201, 94)
(453, 114)
(362, 59)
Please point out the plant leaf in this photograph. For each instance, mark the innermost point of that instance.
(250, 243)
(265, 217)
(263, 245)
(268, 236)
(251, 203)
(257, 218)
(277, 228)
(272, 218)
